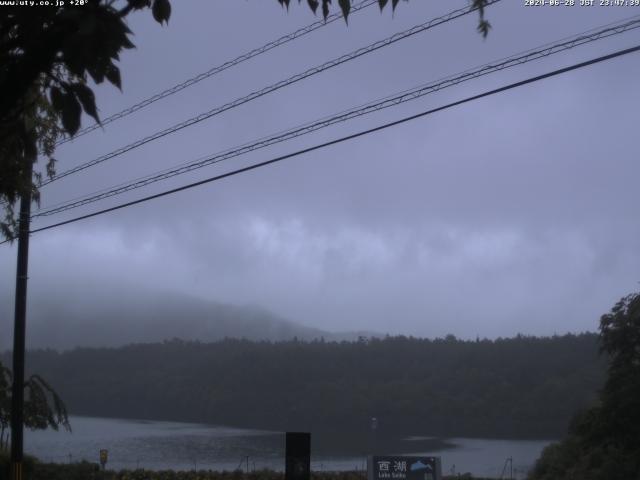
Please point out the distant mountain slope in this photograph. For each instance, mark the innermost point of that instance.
(119, 317)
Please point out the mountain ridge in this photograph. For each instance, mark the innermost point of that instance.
(126, 316)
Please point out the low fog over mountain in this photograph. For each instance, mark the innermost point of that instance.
(122, 316)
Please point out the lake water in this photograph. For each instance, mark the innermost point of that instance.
(187, 446)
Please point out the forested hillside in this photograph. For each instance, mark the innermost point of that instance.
(520, 387)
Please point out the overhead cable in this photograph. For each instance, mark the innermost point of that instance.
(218, 69)
(272, 88)
(342, 139)
(403, 97)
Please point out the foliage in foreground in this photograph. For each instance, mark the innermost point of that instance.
(43, 407)
(604, 442)
(35, 470)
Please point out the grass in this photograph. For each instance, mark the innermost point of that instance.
(36, 470)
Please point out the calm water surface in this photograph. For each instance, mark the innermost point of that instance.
(188, 446)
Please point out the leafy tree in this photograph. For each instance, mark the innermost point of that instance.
(620, 408)
(345, 6)
(43, 408)
(604, 441)
(48, 56)
(55, 49)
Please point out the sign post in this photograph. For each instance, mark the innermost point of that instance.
(298, 456)
(104, 455)
(401, 467)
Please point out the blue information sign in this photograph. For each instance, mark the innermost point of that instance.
(400, 467)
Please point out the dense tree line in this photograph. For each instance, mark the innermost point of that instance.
(520, 387)
(603, 442)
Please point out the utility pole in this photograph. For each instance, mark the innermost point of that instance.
(19, 329)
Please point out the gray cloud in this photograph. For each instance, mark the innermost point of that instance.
(512, 214)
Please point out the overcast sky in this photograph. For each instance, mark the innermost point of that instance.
(513, 214)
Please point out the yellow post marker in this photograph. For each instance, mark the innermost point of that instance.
(104, 455)
(16, 471)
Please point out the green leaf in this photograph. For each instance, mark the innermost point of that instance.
(345, 5)
(139, 4)
(74, 55)
(382, 3)
(87, 99)
(87, 26)
(113, 75)
(483, 27)
(51, 167)
(325, 8)
(57, 99)
(127, 44)
(161, 11)
(313, 5)
(96, 72)
(71, 112)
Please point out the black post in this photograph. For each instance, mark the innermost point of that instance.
(19, 329)
(298, 456)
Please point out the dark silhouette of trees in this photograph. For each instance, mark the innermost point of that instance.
(520, 387)
(604, 441)
(43, 407)
(46, 58)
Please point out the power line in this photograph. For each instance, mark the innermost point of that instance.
(218, 69)
(272, 88)
(406, 96)
(345, 138)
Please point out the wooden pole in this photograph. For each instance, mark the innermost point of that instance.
(17, 391)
